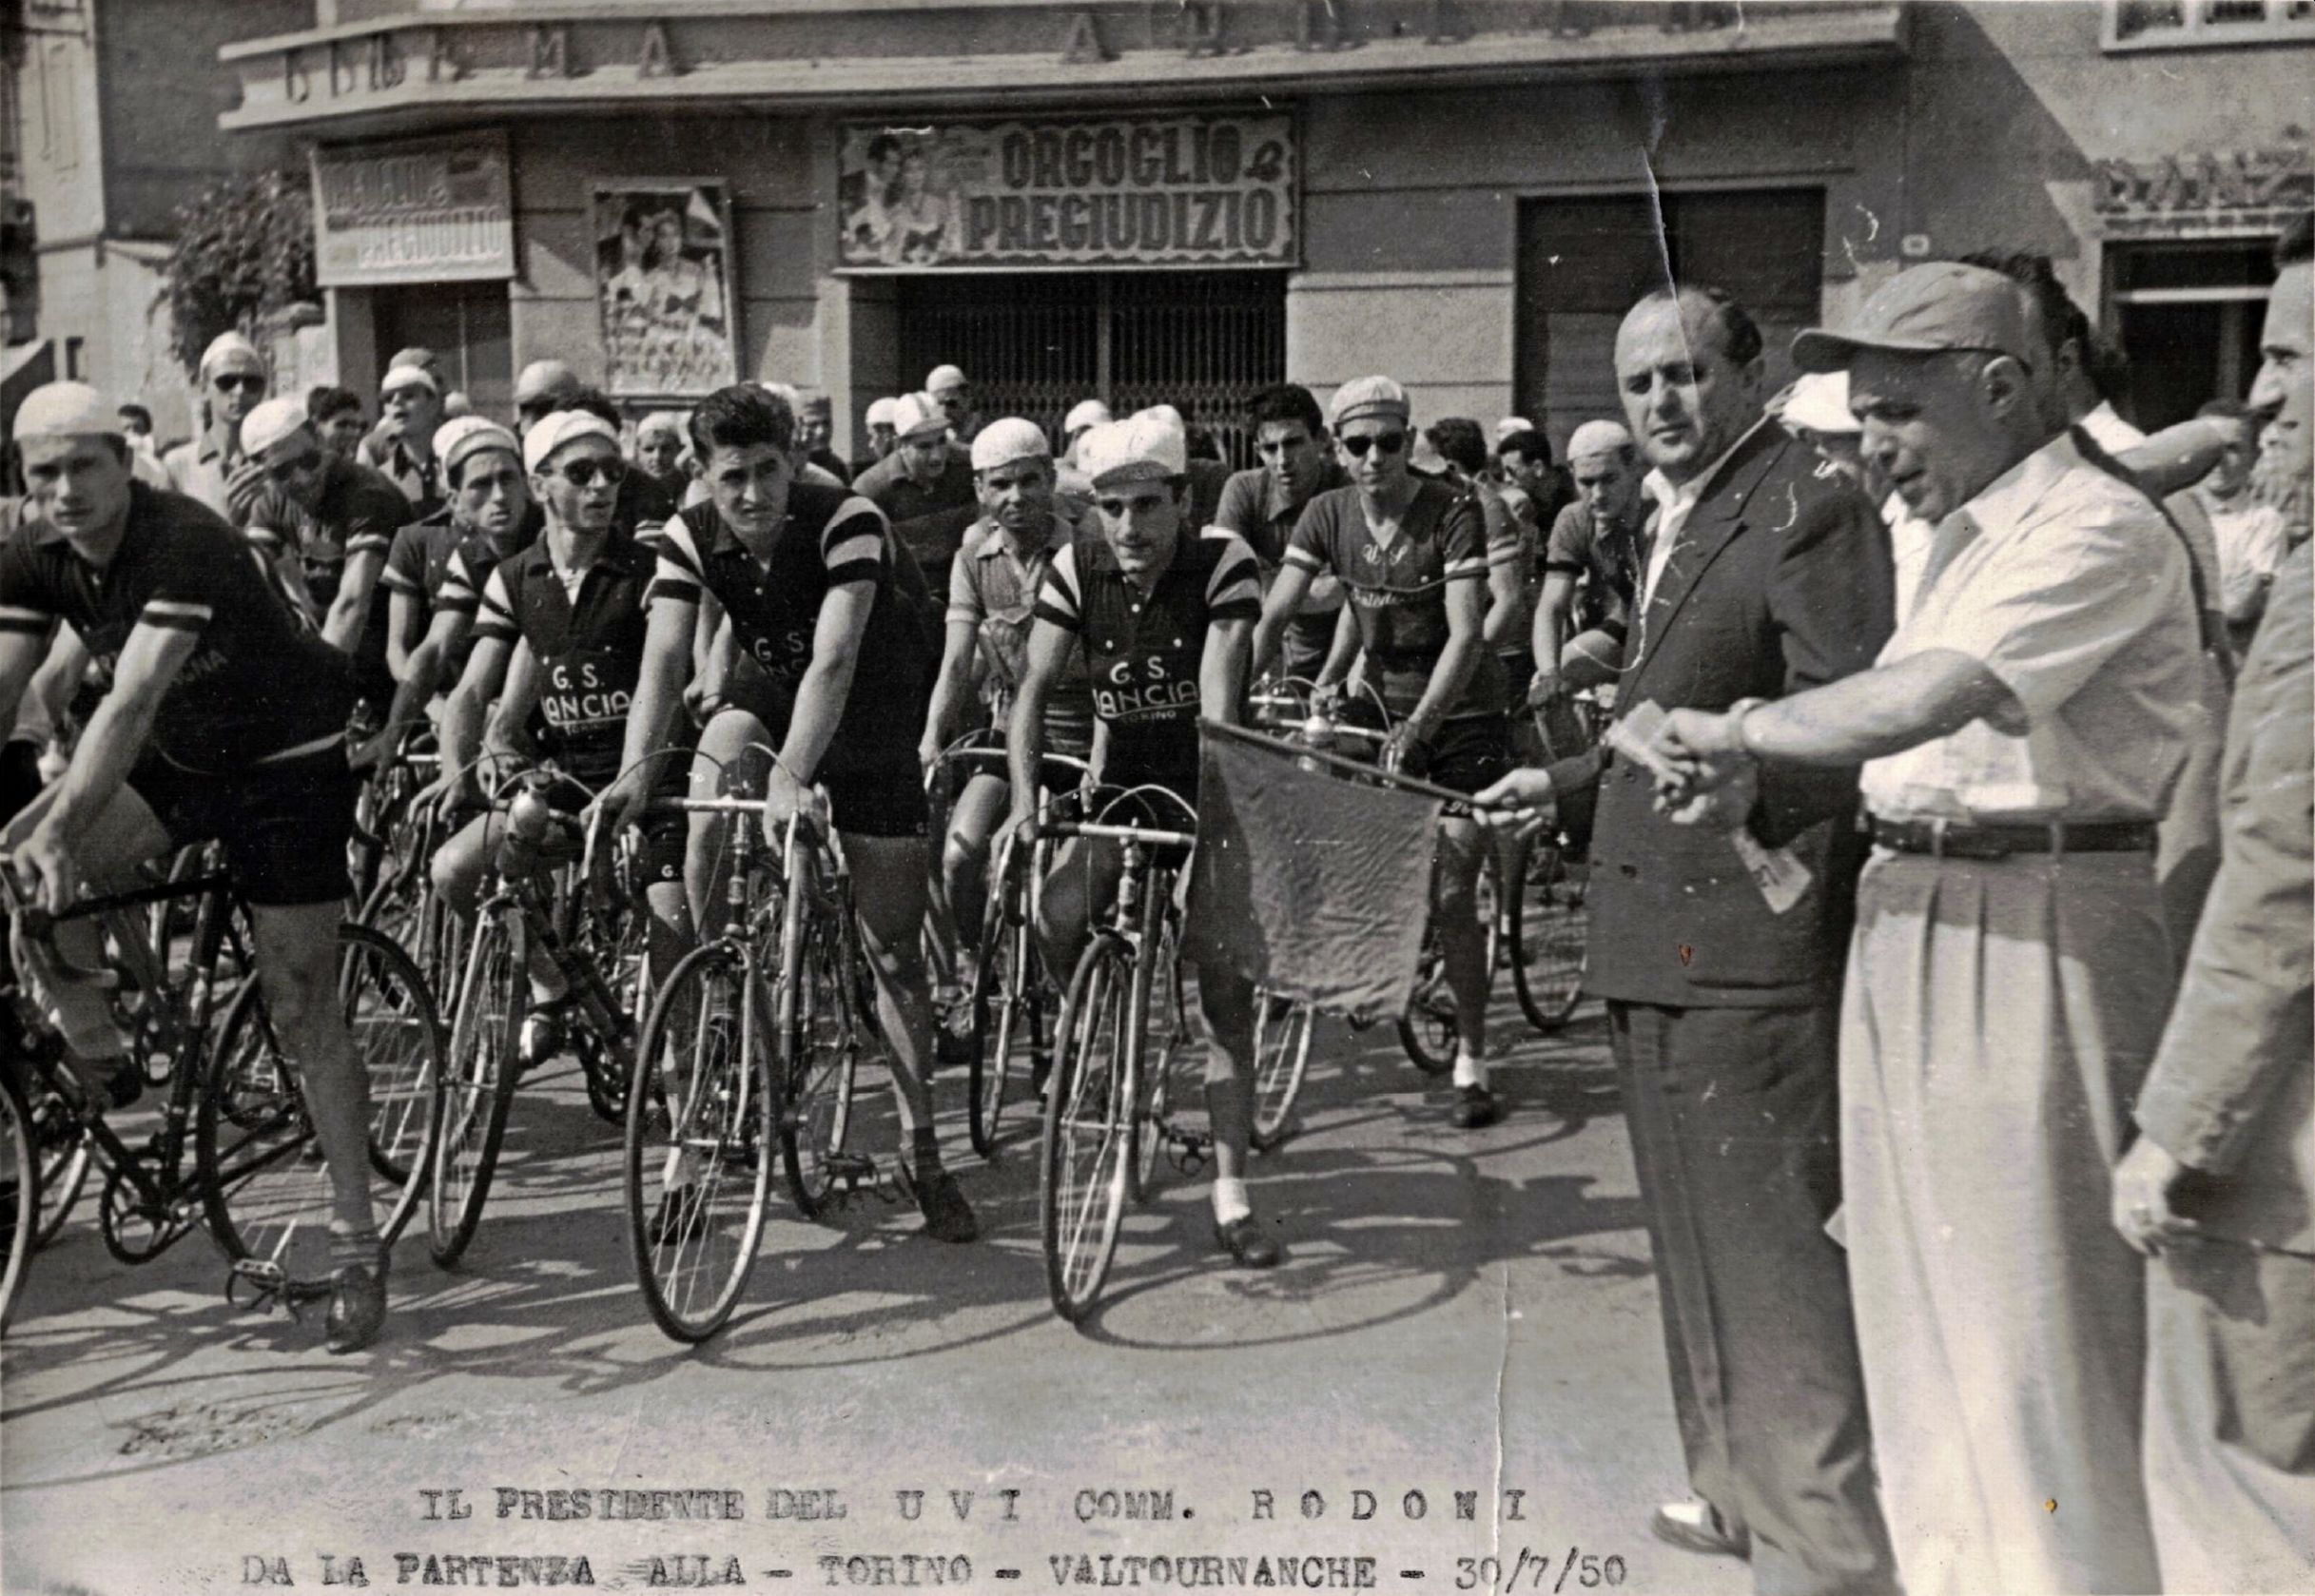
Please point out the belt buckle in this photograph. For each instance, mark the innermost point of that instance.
(2057, 838)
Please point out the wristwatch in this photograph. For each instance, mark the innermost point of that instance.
(1737, 711)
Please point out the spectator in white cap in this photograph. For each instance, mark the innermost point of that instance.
(659, 450)
(878, 420)
(1414, 552)
(947, 387)
(1510, 425)
(223, 721)
(401, 445)
(543, 387)
(992, 588)
(1591, 566)
(422, 612)
(815, 427)
(233, 380)
(1084, 417)
(924, 487)
(325, 522)
(1150, 599)
(1208, 475)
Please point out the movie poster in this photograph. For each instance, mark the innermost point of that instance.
(663, 282)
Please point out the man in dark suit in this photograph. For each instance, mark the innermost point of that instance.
(1764, 578)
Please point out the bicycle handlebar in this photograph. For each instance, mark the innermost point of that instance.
(1151, 835)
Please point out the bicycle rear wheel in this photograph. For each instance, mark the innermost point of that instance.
(477, 1082)
(19, 1192)
(700, 1121)
(1006, 1018)
(1281, 1055)
(1088, 1140)
(1164, 1042)
(62, 1146)
(819, 1057)
(1550, 922)
(265, 1190)
(1427, 1031)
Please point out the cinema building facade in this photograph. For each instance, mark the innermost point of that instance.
(1186, 200)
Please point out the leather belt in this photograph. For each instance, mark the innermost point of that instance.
(1960, 840)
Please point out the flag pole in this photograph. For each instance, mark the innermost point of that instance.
(1372, 774)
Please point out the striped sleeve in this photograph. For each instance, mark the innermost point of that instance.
(495, 616)
(1056, 598)
(677, 577)
(460, 592)
(1463, 541)
(852, 547)
(405, 569)
(1233, 592)
(1308, 547)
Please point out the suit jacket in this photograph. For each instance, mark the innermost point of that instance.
(1782, 582)
(2232, 1091)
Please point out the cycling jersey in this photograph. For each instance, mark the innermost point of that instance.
(993, 589)
(257, 686)
(1399, 590)
(1143, 651)
(441, 566)
(831, 537)
(589, 644)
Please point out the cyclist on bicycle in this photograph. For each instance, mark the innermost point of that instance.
(829, 618)
(1590, 566)
(1262, 505)
(224, 720)
(562, 624)
(438, 566)
(1163, 618)
(1414, 553)
(992, 590)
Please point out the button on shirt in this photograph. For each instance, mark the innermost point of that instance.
(2067, 584)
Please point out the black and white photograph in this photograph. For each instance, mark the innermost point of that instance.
(1458, 797)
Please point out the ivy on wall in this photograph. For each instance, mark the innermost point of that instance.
(245, 251)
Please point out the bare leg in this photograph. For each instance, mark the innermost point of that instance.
(1454, 915)
(297, 952)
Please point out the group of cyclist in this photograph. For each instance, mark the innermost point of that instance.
(770, 636)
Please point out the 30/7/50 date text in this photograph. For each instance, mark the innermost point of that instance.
(1533, 1570)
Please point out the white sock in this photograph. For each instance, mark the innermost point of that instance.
(1470, 1071)
(1229, 1200)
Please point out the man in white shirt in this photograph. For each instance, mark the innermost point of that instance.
(2249, 534)
(2011, 971)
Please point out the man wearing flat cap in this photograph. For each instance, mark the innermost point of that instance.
(233, 381)
(924, 487)
(2009, 972)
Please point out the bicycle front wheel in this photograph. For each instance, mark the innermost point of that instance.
(19, 1192)
(476, 1083)
(819, 1057)
(1088, 1144)
(1281, 1056)
(700, 1121)
(63, 1147)
(266, 1190)
(1551, 924)
(1005, 1018)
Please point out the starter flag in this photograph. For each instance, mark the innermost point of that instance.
(1316, 887)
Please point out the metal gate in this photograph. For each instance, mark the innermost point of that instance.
(1036, 344)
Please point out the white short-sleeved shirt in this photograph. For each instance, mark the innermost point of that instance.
(2068, 585)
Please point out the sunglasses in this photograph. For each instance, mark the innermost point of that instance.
(245, 384)
(1388, 442)
(295, 467)
(584, 473)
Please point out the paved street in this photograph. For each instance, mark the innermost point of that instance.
(1457, 1313)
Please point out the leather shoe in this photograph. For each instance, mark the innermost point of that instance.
(358, 1304)
(1476, 1108)
(1697, 1526)
(1246, 1242)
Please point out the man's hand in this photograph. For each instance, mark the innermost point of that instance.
(374, 752)
(620, 804)
(1546, 689)
(450, 792)
(783, 799)
(1407, 750)
(929, 748)
(242, 488)
(1723, 806)
(1522, 803)
(2143, 1183)
(1706, 750)
(55, 879)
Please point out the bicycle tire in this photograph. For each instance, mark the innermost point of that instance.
(476, 1083)
(1282, 1057)
(1427, 1029)
(1550, 925)
(1006, 1005)
(618, 942)
(731, 1109)
(1086, 1144)
(819, 1060)
(265, 1192)
(19, 1193)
